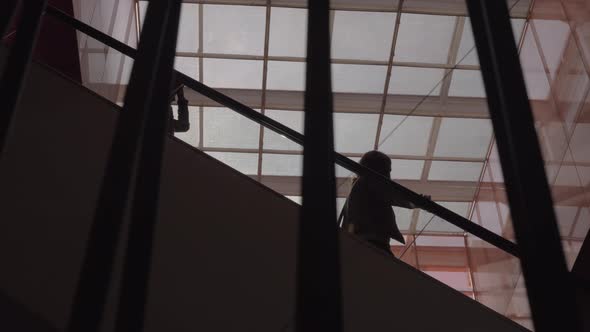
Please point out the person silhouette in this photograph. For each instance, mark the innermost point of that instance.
(368, 211)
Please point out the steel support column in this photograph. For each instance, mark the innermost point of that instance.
(318, 300)
(145, 207)
(14, 71)
(549, 287)
(7, 10)
(141, 97)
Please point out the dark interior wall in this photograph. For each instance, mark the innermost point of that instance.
(48, 183)
(224, 249)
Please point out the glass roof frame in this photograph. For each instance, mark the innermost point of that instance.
(383, 99)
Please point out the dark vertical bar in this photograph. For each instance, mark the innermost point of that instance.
(581, 266)
(17, 64)
(318, 306)
(549, 287)
(95, 278)
(7, 10)
(134, 290)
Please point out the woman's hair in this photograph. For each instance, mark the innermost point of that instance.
(377, 161)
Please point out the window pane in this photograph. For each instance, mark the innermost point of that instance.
(224, 128)
(440, 241)
(469, 138)
(438, 225)
(358, 78)
(188, 31)
(355, 132)
(415, 81)
(424, 38)
(246, 163)
(403, 135)
(583, 226)
(554, 36)
(566, 216)
(362, 35)
(403, 218)
(288, 32)
(467, 83)
(234, 29)
(454, 171)
(282, 164)
(533, 69)
(402, 169)
(467, 54)
(187, 66)
(291, 119)
(579, 143)
(238, 74)
(285, 75)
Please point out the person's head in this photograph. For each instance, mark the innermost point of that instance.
(377, 161)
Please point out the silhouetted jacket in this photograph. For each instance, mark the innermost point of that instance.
(369, 210)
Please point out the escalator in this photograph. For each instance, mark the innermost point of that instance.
(225, 246)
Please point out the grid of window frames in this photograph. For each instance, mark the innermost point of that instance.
(406, 81)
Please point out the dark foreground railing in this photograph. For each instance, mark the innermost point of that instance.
(134, 163)
(318, 304)
(549, 285)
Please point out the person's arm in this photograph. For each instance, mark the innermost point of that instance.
(392, 196)
(182, 124)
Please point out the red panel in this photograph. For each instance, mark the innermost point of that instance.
(57, 45)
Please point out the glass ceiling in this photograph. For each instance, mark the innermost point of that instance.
(406, 83)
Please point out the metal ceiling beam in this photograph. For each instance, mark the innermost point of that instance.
(264, 82)
(302, 60)
(430, 7)
(396, 26)
(457, 107)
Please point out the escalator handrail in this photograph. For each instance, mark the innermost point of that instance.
(347, 163)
